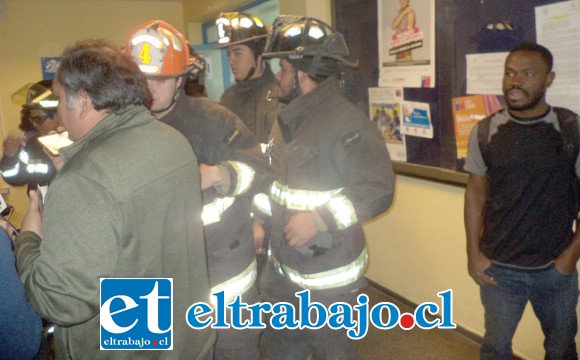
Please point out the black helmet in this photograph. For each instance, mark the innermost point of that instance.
(36, 96)
(309, 43)
(198, 64)
(236, 28)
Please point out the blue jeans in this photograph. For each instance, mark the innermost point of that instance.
(553, 297)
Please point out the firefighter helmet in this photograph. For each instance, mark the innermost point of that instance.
(197, 64)
(309, 43)
(36, 96)
(240, 28)
(159, 50)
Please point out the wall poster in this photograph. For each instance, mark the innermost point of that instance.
(406, 43)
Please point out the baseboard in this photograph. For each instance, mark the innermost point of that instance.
(460, 329)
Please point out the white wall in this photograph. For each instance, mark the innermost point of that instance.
(40, 28)
(417, 249)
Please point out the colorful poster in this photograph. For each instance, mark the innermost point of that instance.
(385, 112)
(417, 119)
(406, 43)
(467, 111)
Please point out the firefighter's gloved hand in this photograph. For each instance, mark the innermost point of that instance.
(318, 245)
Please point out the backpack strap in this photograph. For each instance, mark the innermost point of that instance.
(568, 121)
(483, 136)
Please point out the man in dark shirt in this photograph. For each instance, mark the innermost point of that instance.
(520, 205)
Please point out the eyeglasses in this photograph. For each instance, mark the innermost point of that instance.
(39, 119)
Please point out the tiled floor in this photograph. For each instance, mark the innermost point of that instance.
(415, 344)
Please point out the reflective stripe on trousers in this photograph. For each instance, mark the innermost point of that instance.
(237, 285)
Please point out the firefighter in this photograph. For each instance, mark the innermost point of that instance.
(253, 97)
(244, 37)
(24, 161)
(231, 164)
(335, 173)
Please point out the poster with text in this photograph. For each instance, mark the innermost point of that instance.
(385, 112)
(467, 111)
(417, 119)
(485, 73)
(406, 43)
(558, 29)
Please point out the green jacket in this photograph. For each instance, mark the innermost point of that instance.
(122, 206)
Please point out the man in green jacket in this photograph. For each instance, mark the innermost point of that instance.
(125, 204)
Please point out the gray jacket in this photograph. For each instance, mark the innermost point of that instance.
(332, 160)
(126, 204)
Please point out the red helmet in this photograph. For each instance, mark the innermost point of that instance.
(159, 50)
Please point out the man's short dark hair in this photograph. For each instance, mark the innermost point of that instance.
(110, 78)
(536, 48)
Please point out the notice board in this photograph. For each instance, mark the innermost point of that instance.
(462, 27)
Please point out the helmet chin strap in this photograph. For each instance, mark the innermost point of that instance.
(253, 69)
(176, 95)
(250, 73)
(295, 92)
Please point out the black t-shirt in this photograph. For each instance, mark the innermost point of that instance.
(529, 211)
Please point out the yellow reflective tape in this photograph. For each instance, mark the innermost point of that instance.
(12, 172)
(23, 156)
(329, 279)
(262, 202)
(149, 69)
(343, 211)
(37, 168)
(302, 200)
(48, 103)
(245, 177)
(213, 211)
(237, 285)
(149, 39)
